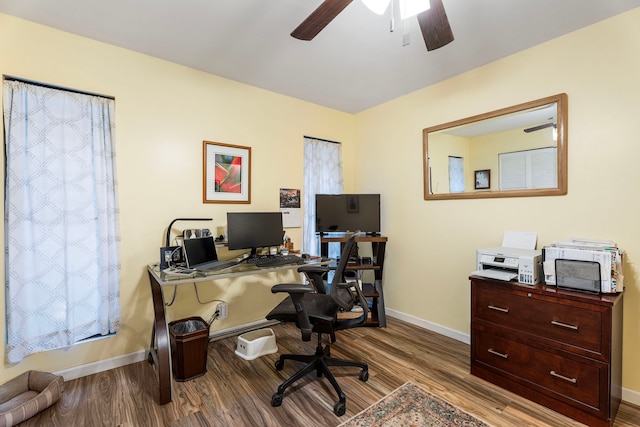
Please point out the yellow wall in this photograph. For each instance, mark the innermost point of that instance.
(432, 244)
(163, 113)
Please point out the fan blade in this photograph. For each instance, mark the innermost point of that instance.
(319, 18)
(539, 127)
(434, 25)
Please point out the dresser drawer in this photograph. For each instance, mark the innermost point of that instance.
(576, 381)
(562, 324)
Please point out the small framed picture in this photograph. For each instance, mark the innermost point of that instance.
(226, 173)
(482, 179)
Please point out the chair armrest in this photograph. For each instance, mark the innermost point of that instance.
(313, 268)
(291, 288)
(296, 293)
(315, 274)
(359, 296)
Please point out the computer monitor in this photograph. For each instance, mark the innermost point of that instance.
(348, 212)
(253, 230)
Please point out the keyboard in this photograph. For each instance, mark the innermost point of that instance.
(507, 276)
(215, 265)
(275, 260)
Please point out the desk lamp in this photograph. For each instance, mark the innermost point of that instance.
(167, 242)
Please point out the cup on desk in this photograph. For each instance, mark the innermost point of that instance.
(284, 251)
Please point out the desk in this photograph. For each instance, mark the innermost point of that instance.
(160, 348)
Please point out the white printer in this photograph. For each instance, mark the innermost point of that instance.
(505, 263)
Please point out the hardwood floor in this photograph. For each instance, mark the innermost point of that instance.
(235, 392)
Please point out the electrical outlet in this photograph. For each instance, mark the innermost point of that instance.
(223, 311)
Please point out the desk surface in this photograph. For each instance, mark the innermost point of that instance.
(242, 269)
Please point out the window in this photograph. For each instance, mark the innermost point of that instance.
(456, 174)
(61, 218)
(322, 175)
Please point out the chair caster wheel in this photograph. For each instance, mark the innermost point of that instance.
(279, 364)
(339, 408)
(276, 400)
(364, 375)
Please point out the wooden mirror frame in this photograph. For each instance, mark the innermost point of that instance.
(561, 189)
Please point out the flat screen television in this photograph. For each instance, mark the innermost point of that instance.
(348, 212)
(253, 230)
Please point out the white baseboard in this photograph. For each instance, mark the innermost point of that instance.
(102, 365)
(631, 396)
(628, 395)
(241, 329)
(442, 330)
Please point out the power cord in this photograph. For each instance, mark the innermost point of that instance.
(173, 252)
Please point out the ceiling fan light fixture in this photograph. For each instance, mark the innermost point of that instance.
(409, 8)
(377, 6)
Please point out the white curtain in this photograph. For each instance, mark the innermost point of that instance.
(456, 174)
(322, 175)
(61, 218)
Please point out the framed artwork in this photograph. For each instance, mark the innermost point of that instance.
(482, 179)
(226, 173)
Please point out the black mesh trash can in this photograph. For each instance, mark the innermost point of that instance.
(189, 341)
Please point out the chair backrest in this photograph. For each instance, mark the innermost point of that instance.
(343, 296)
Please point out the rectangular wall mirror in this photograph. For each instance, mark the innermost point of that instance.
(512, 152)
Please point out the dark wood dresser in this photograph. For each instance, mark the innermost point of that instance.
(559, 348)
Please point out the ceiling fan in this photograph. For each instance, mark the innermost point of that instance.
(433, 22)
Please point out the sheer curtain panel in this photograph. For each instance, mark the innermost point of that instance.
(322, 175)
(456, 174)
(62, 233)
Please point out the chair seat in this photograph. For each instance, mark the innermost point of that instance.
(320, 309)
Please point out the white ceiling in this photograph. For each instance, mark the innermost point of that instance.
(353, 64)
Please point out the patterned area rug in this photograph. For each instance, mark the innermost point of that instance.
(411, 406)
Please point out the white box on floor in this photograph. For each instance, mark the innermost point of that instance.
(256, 343)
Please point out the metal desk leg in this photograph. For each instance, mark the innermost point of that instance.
(161, 355)
(382, 317)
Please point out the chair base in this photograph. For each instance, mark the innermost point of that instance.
(319, 362)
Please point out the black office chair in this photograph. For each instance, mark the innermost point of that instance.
(313, 311)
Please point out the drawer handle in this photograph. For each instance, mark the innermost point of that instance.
(564, 325)
(504, 356)
(562, 377)
(504, 310)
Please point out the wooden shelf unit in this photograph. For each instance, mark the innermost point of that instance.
(559, 348)
(373, 291)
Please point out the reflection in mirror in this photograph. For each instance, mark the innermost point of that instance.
(513, 152)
